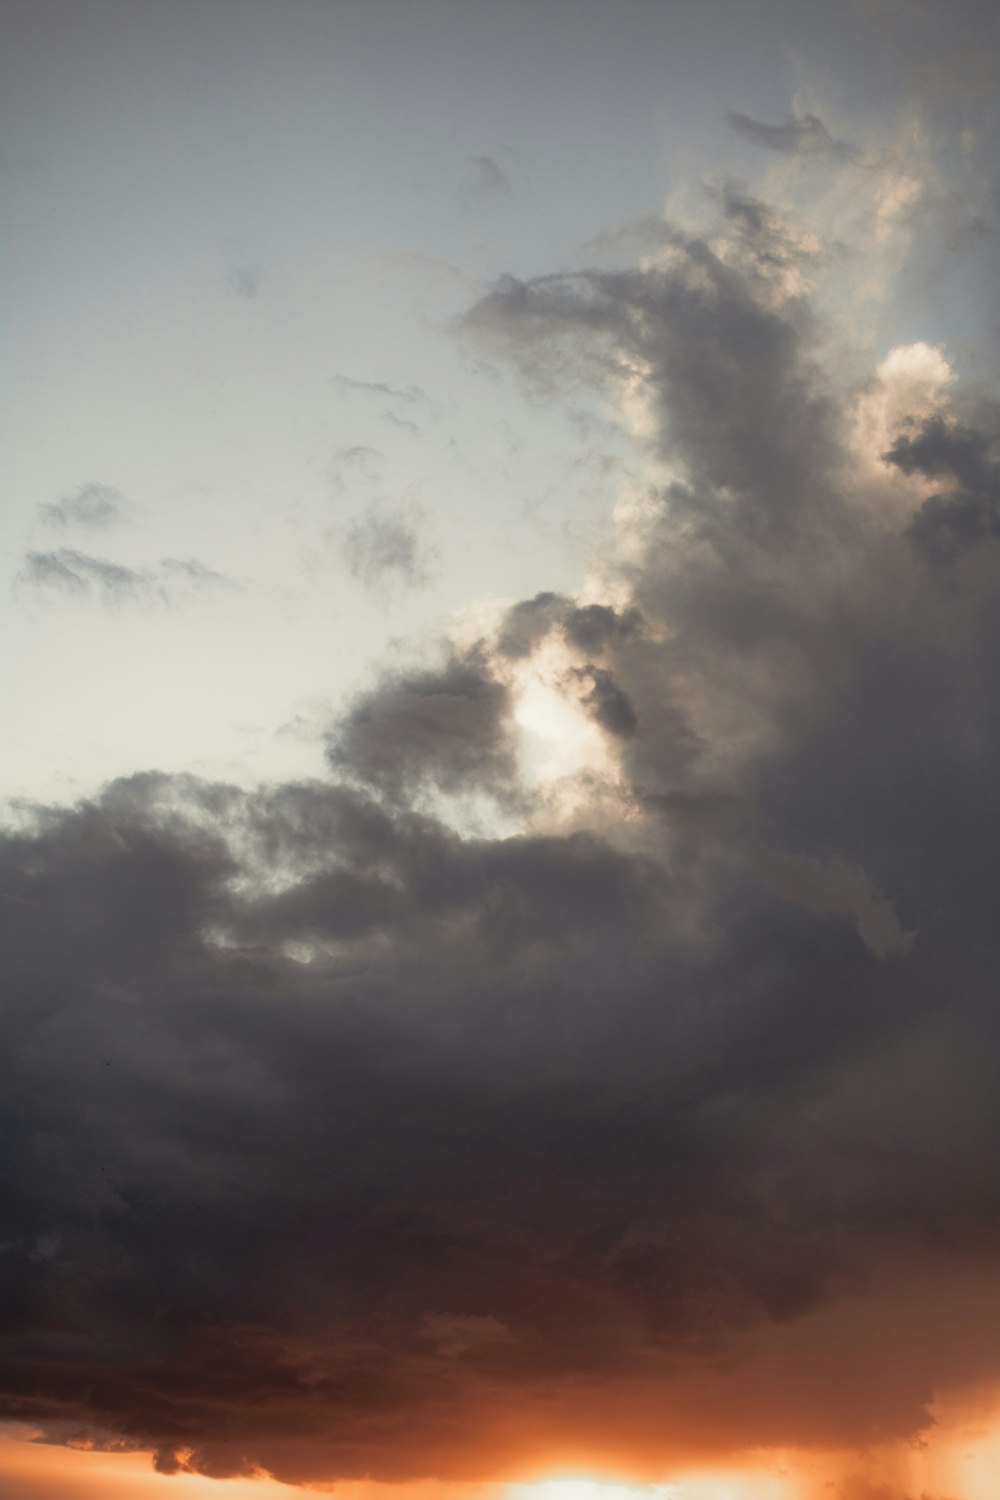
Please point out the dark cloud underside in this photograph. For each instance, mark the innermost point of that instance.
(339, 1144)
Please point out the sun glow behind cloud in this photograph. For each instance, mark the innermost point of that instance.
(561, 739)
(701, 1487)
(42, 1471)
(572, 1062)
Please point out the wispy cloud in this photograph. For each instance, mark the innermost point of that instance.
(484, 180)
(92, 505)
(386, 546)
(82, 576)
(245, 280)
(802, 135)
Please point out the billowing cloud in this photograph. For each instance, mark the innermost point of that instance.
(444, 728)
(966, 460)
(655, 1123)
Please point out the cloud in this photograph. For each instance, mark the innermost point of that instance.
(344, 1143)
(79, 575)
(94, 505)
(610, 706)
(190, 574)
(444, 728)
(485, 180)
(590, 628)
(966, 457)
(489, 177)
(383, 547)
(76, 573)
(393, 400)
(697, 325)
(244, 280)
(408, 394)
(802, 135)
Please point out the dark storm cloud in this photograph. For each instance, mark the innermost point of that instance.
(606, 701)
(967, 458)
(96, 505)
(589, 627)
(801, 135)
(339, 1144)
(445, 728)
(78, 575)
(731, 385)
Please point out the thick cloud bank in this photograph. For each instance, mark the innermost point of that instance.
(338, 1142)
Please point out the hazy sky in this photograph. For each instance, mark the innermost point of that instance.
(501, 554)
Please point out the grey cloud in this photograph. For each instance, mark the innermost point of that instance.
(486, 180)
(353, 467)
(528, 621)
(96, 505)
(967, 456)
(383, 546)
(702, 328)
(592, 627)
(409, 394)
(76, 573)
(394, 400)
(395, 420)
(359, 453)
(358, 1147)
(79, 575)
(489, 178)
(589, 628)
(244, 280)
(609, 705)
(443, 728)
(801, 135)
(194, 574)
(836, 886)
(764, 233)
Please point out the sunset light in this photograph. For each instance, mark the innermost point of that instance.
(500, 754)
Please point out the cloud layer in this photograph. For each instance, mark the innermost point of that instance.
(344, 1143)
(79, 575)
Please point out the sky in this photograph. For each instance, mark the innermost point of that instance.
(501, 561)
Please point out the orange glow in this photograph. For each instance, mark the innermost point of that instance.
(721, 1486)
(36, 1471)
(961, 1460)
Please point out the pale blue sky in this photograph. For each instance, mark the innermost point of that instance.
(226, 222)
